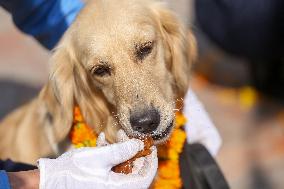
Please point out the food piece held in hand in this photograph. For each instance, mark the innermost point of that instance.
(126, 167)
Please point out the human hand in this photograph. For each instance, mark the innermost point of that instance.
(90, 168)
(136, 163)
(24, 179)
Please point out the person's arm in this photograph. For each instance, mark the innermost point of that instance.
(88, 167)
(24, 179)
(9, 173)
(4, 181)
(44, 20)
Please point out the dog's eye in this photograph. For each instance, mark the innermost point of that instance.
(101, 70)
(144, 50)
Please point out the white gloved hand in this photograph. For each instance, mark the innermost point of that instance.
(90, 168)
(139, 163)
(199, 127)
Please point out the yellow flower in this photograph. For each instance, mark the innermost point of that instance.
(247, 97)
(177, 140)
(167, 184)
(168, 169)
(180, 120)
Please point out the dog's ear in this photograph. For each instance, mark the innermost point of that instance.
(59, 92)
(180, 48)
(71, 85)
(90, 99)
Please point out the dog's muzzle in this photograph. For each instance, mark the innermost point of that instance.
(146, 121)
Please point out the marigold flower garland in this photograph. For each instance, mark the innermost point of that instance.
(168, 176)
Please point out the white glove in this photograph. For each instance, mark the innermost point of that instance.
(90, 168)
(199, 127)
(139, 163)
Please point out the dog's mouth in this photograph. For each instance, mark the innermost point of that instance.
(164, 134)
(158, 136)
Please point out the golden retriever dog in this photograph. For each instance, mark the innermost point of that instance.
(124, 63)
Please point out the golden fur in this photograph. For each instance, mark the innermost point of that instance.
(105, 36)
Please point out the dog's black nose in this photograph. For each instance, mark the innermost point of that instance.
(146, 121)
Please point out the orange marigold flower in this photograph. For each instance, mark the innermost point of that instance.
(167, 184)
(77, 115)
(180, 120)
(168, 169)
(177, 140)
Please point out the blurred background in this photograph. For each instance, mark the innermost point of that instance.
(239, 77)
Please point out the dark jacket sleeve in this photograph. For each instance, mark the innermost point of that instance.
(11, 166)
(45, 20)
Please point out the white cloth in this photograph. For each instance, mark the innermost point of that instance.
(199, 128)
(90, 168)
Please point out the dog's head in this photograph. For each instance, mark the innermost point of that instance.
(125, 63)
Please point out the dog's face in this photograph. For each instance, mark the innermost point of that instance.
(129, 62)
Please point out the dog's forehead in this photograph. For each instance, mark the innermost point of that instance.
(114, 27)
(126, 36)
